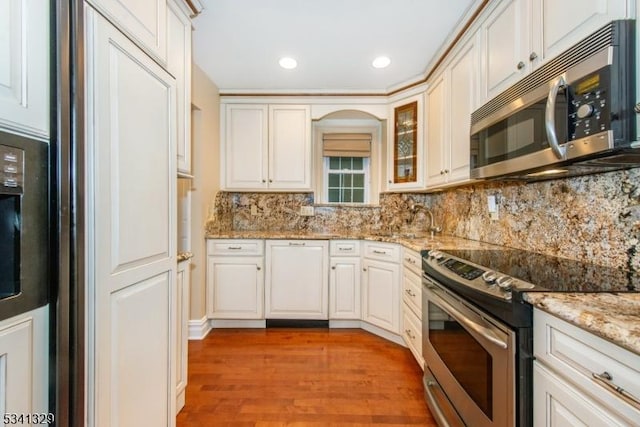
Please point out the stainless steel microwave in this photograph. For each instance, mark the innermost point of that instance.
(572, 116)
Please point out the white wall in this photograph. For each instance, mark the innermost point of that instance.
(205, 153)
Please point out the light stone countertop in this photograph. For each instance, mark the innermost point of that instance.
(615, 317)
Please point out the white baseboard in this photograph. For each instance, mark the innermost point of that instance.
(198, 329)
(239, 323)
(345, 324)
(383, 333)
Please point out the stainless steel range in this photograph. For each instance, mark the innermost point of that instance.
(477, 330)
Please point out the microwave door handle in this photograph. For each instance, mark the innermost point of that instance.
(550, 118)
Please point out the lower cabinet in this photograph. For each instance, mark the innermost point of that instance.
(578, 377)
(296, 279)
(24, 370)
(235, 279)
(183, 282)
(381, 286)
(344, 280)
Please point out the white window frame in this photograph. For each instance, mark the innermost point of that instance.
(372, 126)
(366, 168)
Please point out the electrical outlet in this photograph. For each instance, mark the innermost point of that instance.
(306, 211)
(254, 210)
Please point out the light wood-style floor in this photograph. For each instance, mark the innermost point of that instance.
(302, 377)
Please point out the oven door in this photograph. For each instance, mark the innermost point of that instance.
(471, 358)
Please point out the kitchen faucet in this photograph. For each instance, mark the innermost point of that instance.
(413, 208)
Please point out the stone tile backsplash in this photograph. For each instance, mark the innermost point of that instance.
(593, 218)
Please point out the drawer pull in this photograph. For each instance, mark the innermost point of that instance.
(408, 332)
(345, 249)
(297, 243)
(606, 380)
(234, 248)
(411, 294)
(375, 251)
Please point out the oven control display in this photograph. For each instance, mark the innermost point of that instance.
(463, 270)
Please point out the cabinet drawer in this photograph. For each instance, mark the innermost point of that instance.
(412, 261)
(344, 248)
(412, 334)
(235, 247)
(382, 251)
(412, 291)
(576, 355)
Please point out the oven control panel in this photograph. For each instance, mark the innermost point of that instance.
(468, 274)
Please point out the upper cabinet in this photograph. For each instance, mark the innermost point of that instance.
(520, 35)
(24, 67)
(450, 102)
(405, 152)
(266, 147)
(144, 21)
(179, 65)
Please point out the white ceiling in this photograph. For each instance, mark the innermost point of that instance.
(238, 43)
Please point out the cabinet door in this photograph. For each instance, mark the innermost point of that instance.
(131, 245)
(463, 78)
(556, 403)
(183, 283)
(290, 147)
(235, 288)
(297, 285)
(179, 65)
(564, 23)
(246, 143)
(436, 131)
(24, 67)
(505, 53)
(412, 334)
(144, 21)
(344, 288)
(405, 147)
(380, 294)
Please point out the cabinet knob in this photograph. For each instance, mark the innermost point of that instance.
(364, 269)
(264, 180)
(533, 56)
(333, 267)
(446, 171)
(270, 180)
(520, 65)
(390, 182)
(441, 172)
(258, 267)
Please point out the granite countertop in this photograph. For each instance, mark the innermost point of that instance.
(184, 256)
(615, 317)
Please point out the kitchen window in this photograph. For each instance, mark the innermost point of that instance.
(346, 159)
(347, 179)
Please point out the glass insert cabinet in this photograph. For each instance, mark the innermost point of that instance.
(405, 146)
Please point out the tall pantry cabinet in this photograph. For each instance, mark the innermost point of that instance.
(131, 110)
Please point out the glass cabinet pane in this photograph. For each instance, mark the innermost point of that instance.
(405, 143)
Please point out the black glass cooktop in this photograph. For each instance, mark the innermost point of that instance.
(550, 273)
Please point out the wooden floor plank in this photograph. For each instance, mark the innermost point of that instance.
(302, 377)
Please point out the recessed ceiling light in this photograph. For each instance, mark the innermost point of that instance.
(381, 62)
(288, 63)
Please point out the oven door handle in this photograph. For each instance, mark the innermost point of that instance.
(460, 317)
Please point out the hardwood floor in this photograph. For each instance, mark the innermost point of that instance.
(302, 377)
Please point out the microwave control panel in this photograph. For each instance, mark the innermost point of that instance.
(11, 169)
(589, 111)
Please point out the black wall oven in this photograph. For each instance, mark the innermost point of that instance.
(24, 224)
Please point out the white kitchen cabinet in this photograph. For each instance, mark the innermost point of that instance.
(24, 365)
(344, 280)
(179, 65)
(235, 279)
(183, 284)
(143, 21)
(450, 102)
(565, 389)
(520, 35)
(381, 288)
(297, 283)
(131, 233)
(412, 303)
(24, 67)
(267, 147)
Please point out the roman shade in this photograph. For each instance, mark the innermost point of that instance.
(346, 145)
